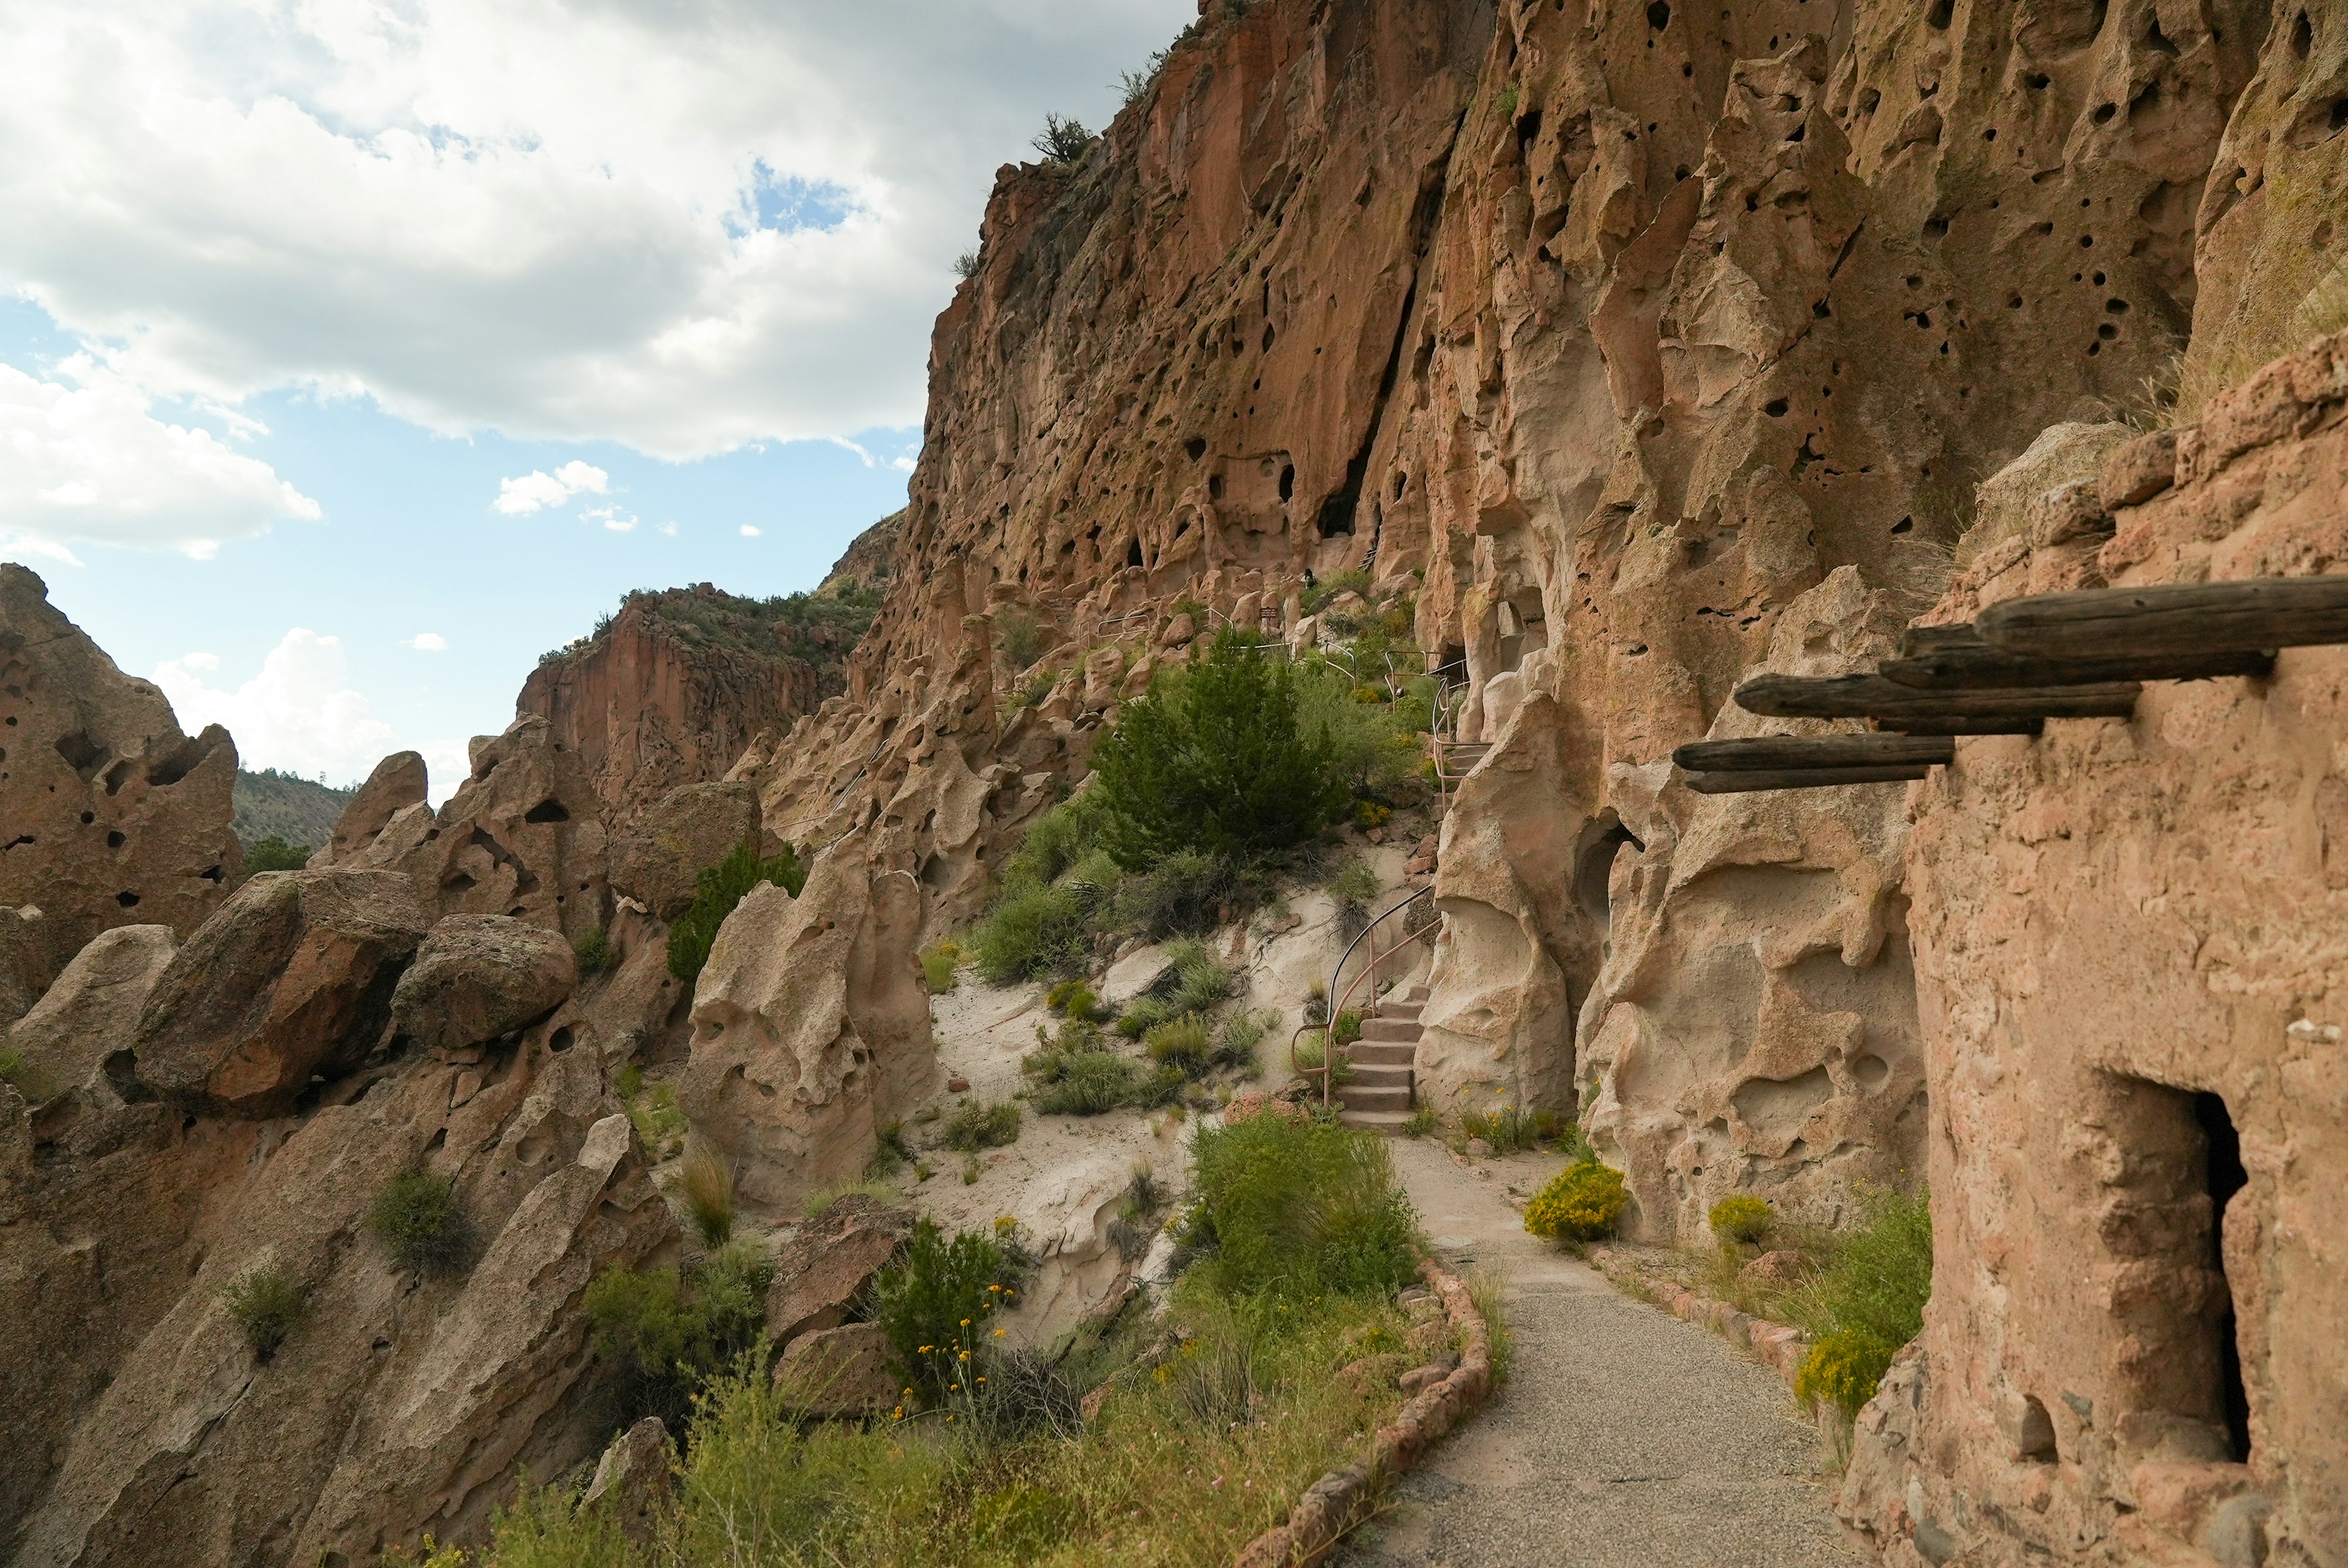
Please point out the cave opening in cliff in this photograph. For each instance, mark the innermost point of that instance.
(1593, 877)
(2224, 1172)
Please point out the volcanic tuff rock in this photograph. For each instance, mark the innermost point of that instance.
(399, 781)
(2133, 976)
(693, 828)
(671, 690)
(91, 1012)
(292, 979)
(480, 977)
(823, 1267)
(108, 815)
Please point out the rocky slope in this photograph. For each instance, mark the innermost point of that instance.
(271, 804)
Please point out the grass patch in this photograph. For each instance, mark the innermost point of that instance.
(1487, 1288)
(717, 891)
(595, 953)
(705, 1182)
(1867, 1303)
(880, 1192)
(940, 967)
(671, 1330)
(1742, 1219)
(659, 1119)
(416, 1219)
(266, 1305)
(1298, 1209)
(1088, 1083)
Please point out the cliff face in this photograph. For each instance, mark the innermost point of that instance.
(673, 689)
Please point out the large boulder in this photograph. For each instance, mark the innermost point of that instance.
(825, 1266)
(478, 977)
(810, 1026)
(399, 781)
(692, 827)
(110, 815)
(838, 1372)
(92, 1010)
(292, 979)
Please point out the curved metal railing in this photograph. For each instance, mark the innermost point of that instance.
(1330, 1049)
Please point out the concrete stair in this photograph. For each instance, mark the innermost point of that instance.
(1377, 1093)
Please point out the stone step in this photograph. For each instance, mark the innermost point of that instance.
(1379, 1077)
(1417, 995)
(1361, 1097)
(1389, 1124)
(1400, 1012)
(1381, 1054)
(1401, 1031)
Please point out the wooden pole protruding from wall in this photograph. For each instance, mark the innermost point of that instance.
(1754, 781)
(1873, 697)
(1780, 753)
(1957, 659)
(2172, 619)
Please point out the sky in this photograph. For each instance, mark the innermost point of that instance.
(354, 353)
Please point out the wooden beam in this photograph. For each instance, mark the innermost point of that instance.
(2010, 725)
(1778, 752)
(1756, 780)
(1955, 659)
(2186, 618)
(1873, 697)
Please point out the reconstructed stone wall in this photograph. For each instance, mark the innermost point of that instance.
(2132, 955)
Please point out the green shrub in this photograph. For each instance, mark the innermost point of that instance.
(274, 853)
(670, 1331)
(1183, 1042)
(717, 891)
(1032, 931)
(1162, 1086)
(1299, 1209)
(1184, 895)
(1742, 1219)
(1846, 1367)
(659, 1120)
(933, 1301)
(1347, 1028)
(596, 952)
(1582, 1203)
(1242, 1033)
(971, 1126)
(415, 1217)
(879, 1190)
(265, 1305)
(1214, 761)
(27, 1080)
(1355, 888)
(1423, 1121)
(1062, 140)
(1200, 982)
(1509, 1130)
(1075, 999)
(1020, 636)
(1085, 1083)
(1337, 583)
(938, 966)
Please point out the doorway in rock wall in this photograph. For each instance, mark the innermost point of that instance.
(1593, 872)
(2224, 1175)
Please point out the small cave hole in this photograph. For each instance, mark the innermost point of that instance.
(1195, 447)
(560, 1040)
(1268, 336)
(88, 817)
(127, 899)
(2302, 36)
(547, 810)
(1936, 227)
(2103, 113)
(1943, 13)
(1904, 525)
(213, 874)
(1659, 15)
(1215, 486)
(1775, 408)
(115, 839)
(1288, 482)
(2037, 81)
(1402, 481)
(2226, 1176)
(1870, 1069)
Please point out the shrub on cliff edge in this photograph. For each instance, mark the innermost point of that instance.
(718, 889)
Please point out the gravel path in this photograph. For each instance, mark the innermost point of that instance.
(1625, 1438)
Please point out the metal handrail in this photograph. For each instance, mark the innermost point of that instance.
(1337, 1001)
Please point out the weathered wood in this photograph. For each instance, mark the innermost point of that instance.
(1955, 659)
(1782, 752)
(2195, 618)
(1991, 725)
(1756, 780)
(1873, 697)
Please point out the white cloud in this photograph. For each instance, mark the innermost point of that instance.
(537, 490)
(902, 464)
(299, 713)
(669, 528)
(612, 518)
(426, 642)
(682, 227)
(749, 532)
(84, 459)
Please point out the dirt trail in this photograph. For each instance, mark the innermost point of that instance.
(1625, 1438)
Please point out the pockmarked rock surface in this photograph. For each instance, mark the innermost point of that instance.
(477, 977)
(810, 1027)
(293, 980)
(2130, 956)
(838, 1372)
(110, 815)
(692, 828)
(824, 1265)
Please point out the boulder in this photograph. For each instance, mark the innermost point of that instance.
(692, 827)
(1778, 1270)
(479, 977)
(811, 1027)
(632, 1481)
(292, 979)
(838, 1372)
(110, 815)
(823, 1268)
(399, 781)
(92, 1010)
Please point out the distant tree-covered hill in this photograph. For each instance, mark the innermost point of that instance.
(271, 804)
